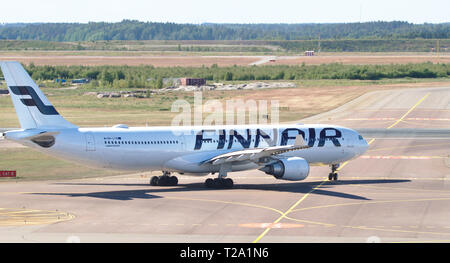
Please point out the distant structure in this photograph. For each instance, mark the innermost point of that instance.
(309, 53)
(172, 81)
(80, 81)
(192, 81)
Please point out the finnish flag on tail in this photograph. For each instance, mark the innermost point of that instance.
(32, 107)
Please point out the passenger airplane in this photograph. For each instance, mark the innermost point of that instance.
(284, 151)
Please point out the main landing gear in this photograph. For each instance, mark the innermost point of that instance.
(164, 180)
(221, 182)
(333, 175)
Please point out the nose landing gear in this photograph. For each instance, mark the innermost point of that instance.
(333, 176)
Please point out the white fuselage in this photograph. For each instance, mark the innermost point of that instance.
(183, 149)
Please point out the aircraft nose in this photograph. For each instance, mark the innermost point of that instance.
(363, 146)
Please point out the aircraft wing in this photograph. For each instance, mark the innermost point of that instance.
(254, 155)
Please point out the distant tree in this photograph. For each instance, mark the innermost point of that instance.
(228, 76)
(159, 83)
(107, 77)
(135, 30)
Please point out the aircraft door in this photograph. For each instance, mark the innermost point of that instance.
(350, 140)
(349, 145)
(90, 141)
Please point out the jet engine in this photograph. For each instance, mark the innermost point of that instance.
(292, 169)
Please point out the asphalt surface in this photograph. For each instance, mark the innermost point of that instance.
(398, 191)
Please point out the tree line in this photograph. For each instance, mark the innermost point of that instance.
(136, 30)
(366, 45)
(151, 77)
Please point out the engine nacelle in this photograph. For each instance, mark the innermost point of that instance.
(292, 169)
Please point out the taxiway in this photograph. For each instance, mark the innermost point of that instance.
(399, 191)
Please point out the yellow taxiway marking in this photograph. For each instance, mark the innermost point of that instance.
(415, 190)
(284, 215)
(373, 202)
(20, 217)
(397, 230)
(409, 111)
(314, 223)
(226, 202)
(288, 211)
(407, 147)
(401, 157)
(423, 124)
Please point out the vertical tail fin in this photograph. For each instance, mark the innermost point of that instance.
(32, 107)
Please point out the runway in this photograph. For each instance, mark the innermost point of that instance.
(398, 191)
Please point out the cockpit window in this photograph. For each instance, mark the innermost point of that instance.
(360, 137)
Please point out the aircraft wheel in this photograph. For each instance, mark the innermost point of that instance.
(173, 180)
(154, 181)
(228, 183)
(335, 176)
(164, 180)
(209, 183)
(217, 183)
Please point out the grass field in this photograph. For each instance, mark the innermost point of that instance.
(308, 98)
(198, 59)
(249, 47)
(32, 165)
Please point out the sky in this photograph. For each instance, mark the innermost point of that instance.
(226, 11)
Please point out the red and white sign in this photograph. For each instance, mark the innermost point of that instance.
(7, 173)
